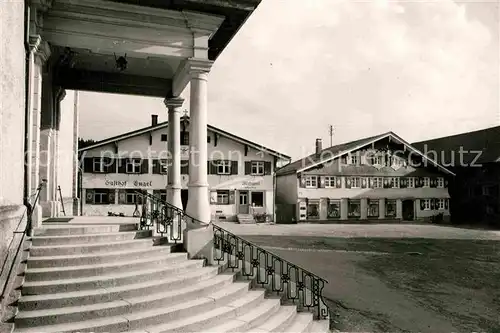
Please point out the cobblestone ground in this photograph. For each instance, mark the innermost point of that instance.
(359, 230)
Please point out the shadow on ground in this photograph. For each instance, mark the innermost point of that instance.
(402, 285)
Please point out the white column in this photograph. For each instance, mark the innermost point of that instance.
(198, 202)
(75, 192)
(40, 52)
(174, 151)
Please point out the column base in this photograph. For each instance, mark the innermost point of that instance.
(50, 208)
(76, 207)
(174, 196)
(36, 217)
(198, 204)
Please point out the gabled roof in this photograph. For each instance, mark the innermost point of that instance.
(485, 143)
(345, 148)
(150, 129)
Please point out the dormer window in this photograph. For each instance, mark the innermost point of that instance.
(354, 159)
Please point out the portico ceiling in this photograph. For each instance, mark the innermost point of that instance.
(87, 37)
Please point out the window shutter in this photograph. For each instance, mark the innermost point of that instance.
(433, 201)
(122, 196)
(209, 167)
(363, 182)
(111, 197)
(184, 167)
(387, 183)
(88, 164)
(214, 167)
(234, 167)
(231, 197)
(321, 181)
(122, 165)
(111, 165)
(418, 181)
(422, 204)
(348, 182)
(267, 168)
(403, 181)
(302, 180)
(446, 203)
(445, 182)
(338, 181)
(248, 168)
(89, 196)
(144, 166)
(432, 182)
(156, 167)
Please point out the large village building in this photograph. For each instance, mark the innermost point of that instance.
(474, 157)
(240, 172)
(376, 178)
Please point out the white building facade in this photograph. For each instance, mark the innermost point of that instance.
(240, 173)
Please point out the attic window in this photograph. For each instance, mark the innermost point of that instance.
(354, 159)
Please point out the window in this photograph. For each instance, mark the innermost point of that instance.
(313, 210)
(329, 181)
(333, 209)
(440, 182)
(411, 182)
(257, 199)
(223, 167)
(354, 159)
(355, 182)
(163, 167)
(440, 203)
(163, 196)
(311, 181)
(163, 137)
(427, 182)
(222, 197)
(101, 164)
(101, 197)
(354, 208)
(390, 208)
(397, 162)
(377, 182)
(131, 197)
(373, 207)
(133, 166)
(426, 204)
(257, 168)
(394, 181)
(184, 138)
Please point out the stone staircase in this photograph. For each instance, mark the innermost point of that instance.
(115, 278)
(245, 218)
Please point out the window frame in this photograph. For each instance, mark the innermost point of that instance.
(354, 158)
(378, 182)
(411, 182)
(100, 162)
(309, 179)
(101, 195)
(353, 182)
(427, 204)
(330, 181)
(224, 164)
(135, 163)
(441, 204)
(427, 182)
(257, 165)
(394, 181)
(221, 194)
(312, 203)
(440, 182)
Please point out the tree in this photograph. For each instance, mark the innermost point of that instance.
(82, 143)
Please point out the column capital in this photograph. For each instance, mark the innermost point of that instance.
(188, 69)
(40, 48)
(173, 102)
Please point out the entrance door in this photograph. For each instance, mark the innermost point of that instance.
(243, 203)
(184, 199)
(408, 210)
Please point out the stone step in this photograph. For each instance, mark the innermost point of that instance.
(268, 309)
(82, 229)
(89, 238)
(279, 321)
(69, 285)
(320, 326)
(301, 323)
(96, 258)
(89, 248)
(70, 272)
(229, 301)
(106, 288)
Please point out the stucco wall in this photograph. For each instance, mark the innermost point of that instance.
(12, 109)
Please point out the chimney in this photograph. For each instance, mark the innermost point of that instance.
(154, 119)
(319, 147)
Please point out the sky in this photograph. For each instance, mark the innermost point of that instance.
(422, 69)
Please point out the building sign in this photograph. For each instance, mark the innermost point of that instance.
(128, 183)
(125, 181)
(251, 184)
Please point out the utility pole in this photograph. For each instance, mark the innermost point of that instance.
(330, 131)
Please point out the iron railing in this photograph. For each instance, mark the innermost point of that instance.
(267, 269)
(61, 199)
(169, 220)
(26, 231)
